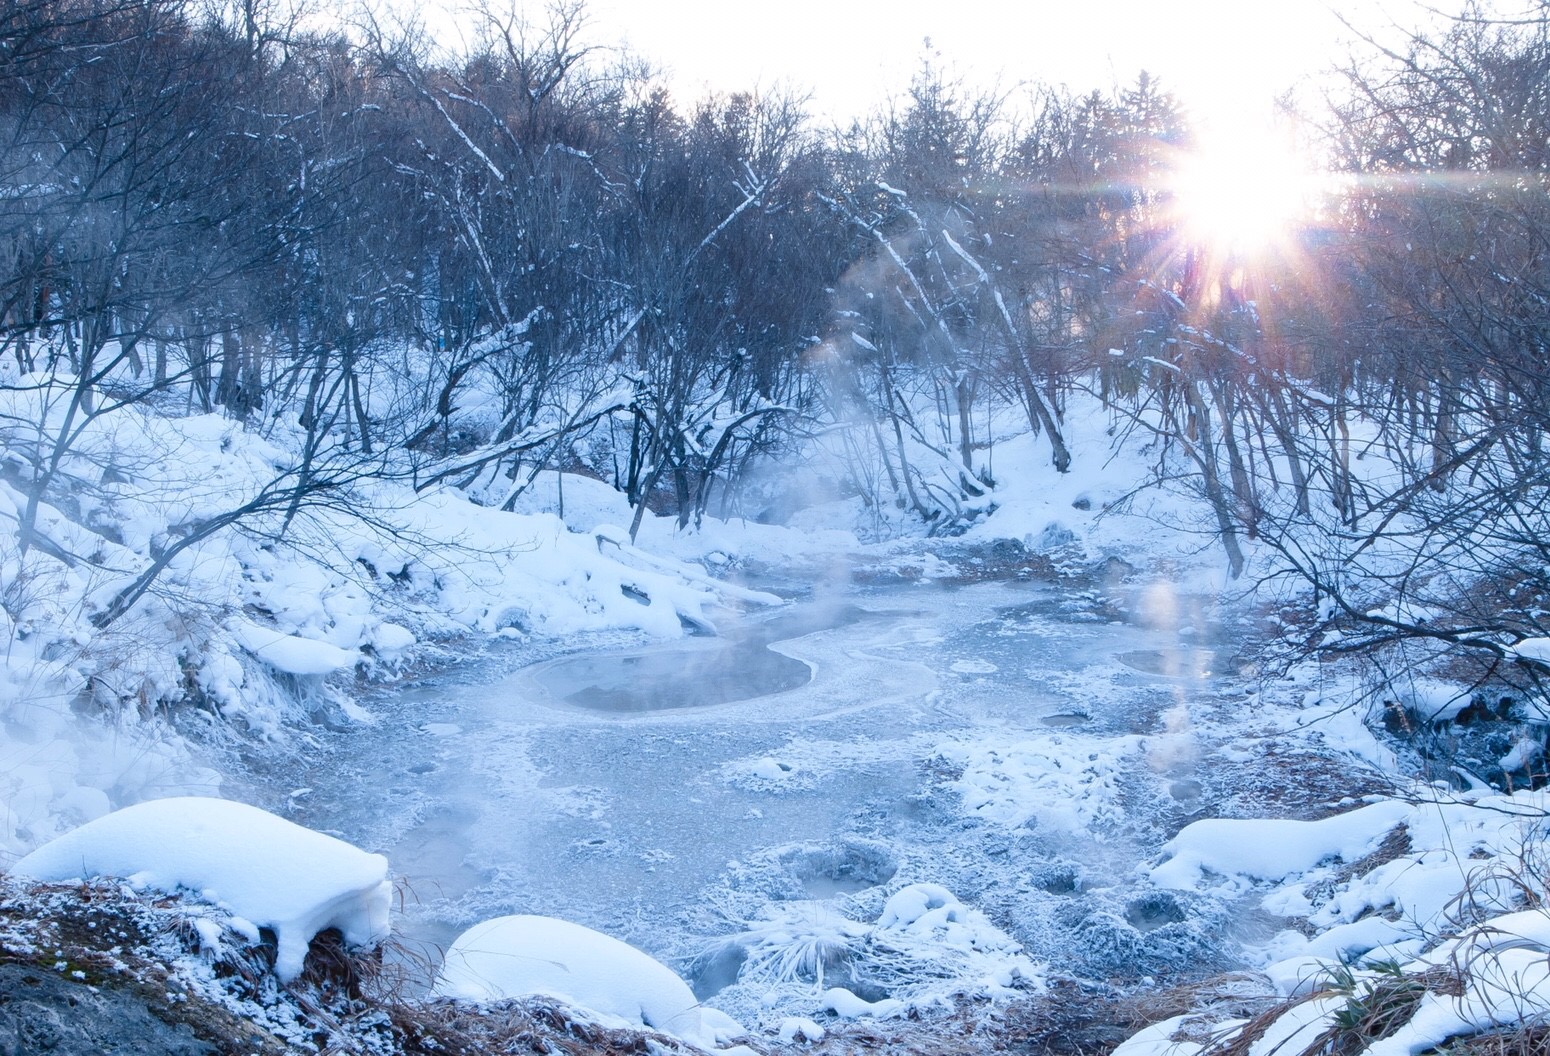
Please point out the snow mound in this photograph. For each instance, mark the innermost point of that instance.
(1270, 849)
(921, 907)
(289, 653)
(269, 871)
(1433, 700)
(522, 956)
(847, 1005)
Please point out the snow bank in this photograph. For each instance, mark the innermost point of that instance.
(1502, 985)
(1471, 864)
(520, 956)
(269, 871)
(1106, 504)
(290, 653)
(1269, 849)
(1157, 1040)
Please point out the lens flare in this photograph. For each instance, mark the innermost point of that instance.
(1242, 194)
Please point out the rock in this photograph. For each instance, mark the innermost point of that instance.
(47, 1015)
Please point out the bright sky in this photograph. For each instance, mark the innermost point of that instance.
(1217, 55)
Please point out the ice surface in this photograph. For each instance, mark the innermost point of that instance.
(750, 842)
(265, 869)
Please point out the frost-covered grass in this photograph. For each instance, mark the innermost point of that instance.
(922, 953)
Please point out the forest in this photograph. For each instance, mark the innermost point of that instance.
(463, 270)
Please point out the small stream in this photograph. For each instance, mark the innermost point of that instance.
(1023, 744)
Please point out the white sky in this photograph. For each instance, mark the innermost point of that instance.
(1219, 56)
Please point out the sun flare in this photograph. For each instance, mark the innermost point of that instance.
(1242, 195)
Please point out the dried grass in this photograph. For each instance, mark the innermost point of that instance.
(1524, 1041)
(1234, 995)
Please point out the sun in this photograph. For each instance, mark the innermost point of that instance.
(1242, 195)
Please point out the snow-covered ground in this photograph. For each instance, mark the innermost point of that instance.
(263, 633)
(882, 787)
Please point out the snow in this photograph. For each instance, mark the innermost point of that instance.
(268, 631)
(1448, 904)
(794, 1027)
(289, 653)
(932, 915)
(1535, 649)
(390, 639)
(1433, 700)
(521, 956)
(769, 769)
(920, 906)
(1296, 1030)
(265, 632)
(1269, 849)
(1525, 750)
(1340, 944)
(1157, 1040)
(847, 1005)
(1505, 982)
(1063, 781)
(267, 870)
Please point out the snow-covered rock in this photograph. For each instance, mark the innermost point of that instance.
(289, 653)
(269, 871)
(1269, 849)
(921, 907)
(521, 956)
(847, 1005)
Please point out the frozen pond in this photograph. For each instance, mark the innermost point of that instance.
(1022, 744)
(740, 665)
